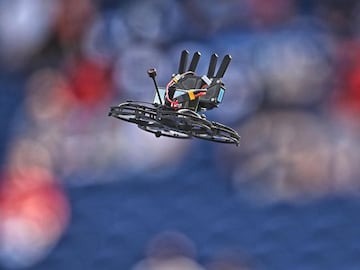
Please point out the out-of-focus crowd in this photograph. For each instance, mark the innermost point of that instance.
(173, 250)
(293, 95)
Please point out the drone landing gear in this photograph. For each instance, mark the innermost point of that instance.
(163, 121)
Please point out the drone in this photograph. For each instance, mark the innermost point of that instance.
(178, 109)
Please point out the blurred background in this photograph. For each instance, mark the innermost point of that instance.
(80, 190)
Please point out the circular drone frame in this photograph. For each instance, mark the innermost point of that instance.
(164, 121)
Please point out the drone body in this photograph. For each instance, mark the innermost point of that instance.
(176, 107)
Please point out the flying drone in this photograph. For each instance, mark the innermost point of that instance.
(178, 108)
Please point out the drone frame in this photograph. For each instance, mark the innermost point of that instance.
(174, 112)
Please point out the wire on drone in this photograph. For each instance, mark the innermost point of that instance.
(190, 95)
(174, 80)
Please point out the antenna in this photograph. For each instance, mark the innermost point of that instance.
(152, 74)
(212, 65)
(183, 61)
(224, 65)
(194, 61)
